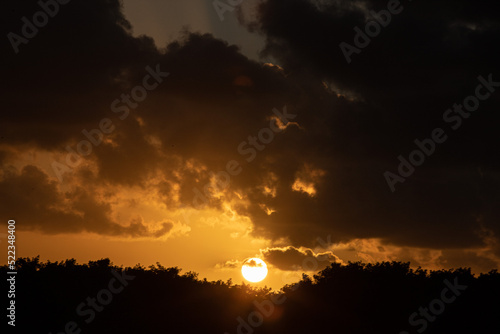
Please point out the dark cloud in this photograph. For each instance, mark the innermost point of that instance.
(291, 258)
(320, 176)
(31, 197)
(427, 59)
(253, 263)
(430, 49)
(71, 70)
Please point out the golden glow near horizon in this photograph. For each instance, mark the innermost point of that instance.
(254, 270)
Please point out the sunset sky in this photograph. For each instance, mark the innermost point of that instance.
(153, 131)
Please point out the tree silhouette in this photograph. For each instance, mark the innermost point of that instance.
(352, 298)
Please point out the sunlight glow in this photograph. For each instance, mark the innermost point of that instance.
(254, 270)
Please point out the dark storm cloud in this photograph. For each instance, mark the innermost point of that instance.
(427, 59)
(32, 198)
(323, 175)
(430, 47)
(291, 258)
(64, 79)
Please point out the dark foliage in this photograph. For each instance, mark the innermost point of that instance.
(356, 298)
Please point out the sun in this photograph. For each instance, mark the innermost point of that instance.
(254, 270)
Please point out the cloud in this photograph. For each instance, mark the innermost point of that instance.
(403, 92)
(291, 258)
(33, 199)
(481, 259)
(436, 49)
(72, 70)
(253, 263)
(230, 264)
(321, 176)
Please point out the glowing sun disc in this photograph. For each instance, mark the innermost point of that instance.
(254, 270)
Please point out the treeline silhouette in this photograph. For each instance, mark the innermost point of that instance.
(99, 297)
